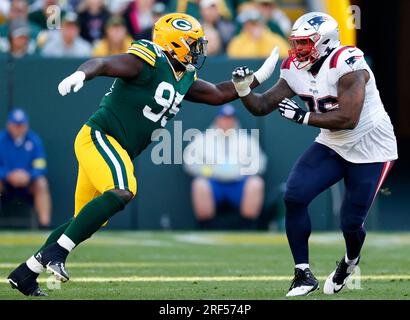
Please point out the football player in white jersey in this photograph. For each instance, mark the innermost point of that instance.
(356, 142)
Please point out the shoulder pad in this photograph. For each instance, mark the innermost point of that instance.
(286, 63)
(145, 50)
(335, 58)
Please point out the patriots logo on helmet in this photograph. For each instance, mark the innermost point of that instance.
(316, 22)
(352, 60)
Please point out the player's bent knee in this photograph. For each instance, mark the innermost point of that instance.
(351, 223)
(295, 196)
(123, 194)
(362, 194)
(295, 191)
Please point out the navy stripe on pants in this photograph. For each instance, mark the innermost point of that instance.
(315, 171)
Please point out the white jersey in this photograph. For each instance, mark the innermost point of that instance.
(373, 139)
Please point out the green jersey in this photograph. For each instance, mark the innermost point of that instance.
(134, 108)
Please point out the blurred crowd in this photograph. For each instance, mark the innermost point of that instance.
(84, 28)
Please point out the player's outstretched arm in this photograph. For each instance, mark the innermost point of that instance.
(203, 91)
(217, 94)
(259, 104)
(351, 93)
(121, 66)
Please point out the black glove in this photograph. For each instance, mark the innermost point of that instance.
(290, 109)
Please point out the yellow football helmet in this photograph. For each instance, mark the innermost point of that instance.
(182, 36)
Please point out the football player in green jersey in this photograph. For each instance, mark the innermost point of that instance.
(151, 80)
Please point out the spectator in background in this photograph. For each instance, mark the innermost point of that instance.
(73, 5)
(67, 41)
(4, 10)
(92, 18)
(139, 17)
(20, 44)
(275, 18)
(211, 18)
(223, 182)
(255, 39)
(18, 10)
(158, 10)
(226, 8)
(23, 165)
(40, 16)
(116, 7)
(190, 7)
(214, 40)
(116, 40)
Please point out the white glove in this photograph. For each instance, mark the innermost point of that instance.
(242, 78)
(75, 82)
(268, 67)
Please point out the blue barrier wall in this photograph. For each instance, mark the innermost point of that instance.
(162, 190)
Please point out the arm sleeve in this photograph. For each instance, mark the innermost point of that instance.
(39, 162)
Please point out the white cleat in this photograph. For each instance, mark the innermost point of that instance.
(302, 291)
(303, 284)
(337, 280)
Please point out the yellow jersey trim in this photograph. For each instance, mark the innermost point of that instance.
(145, 49)
(142, 54)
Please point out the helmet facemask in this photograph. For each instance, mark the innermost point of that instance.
(198, 52)
(196, 55)
(303, 52)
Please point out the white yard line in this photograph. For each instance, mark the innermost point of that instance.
(217, 278)
(98, 265)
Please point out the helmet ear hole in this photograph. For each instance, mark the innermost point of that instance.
(176, 45)
(326, 41)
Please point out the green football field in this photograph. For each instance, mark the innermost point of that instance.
(220, 265)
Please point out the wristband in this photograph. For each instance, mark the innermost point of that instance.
(306, 119)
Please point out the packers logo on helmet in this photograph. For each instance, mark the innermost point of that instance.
(182, 24)
(182, 36)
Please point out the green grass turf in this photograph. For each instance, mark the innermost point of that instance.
(188, 265)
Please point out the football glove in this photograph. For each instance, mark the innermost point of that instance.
(290, 109)
(75, 82)
(242, 78)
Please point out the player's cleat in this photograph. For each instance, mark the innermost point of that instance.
(58, 269)
(338, 278)
(53, 259)
(25, 281)
(303, 284)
